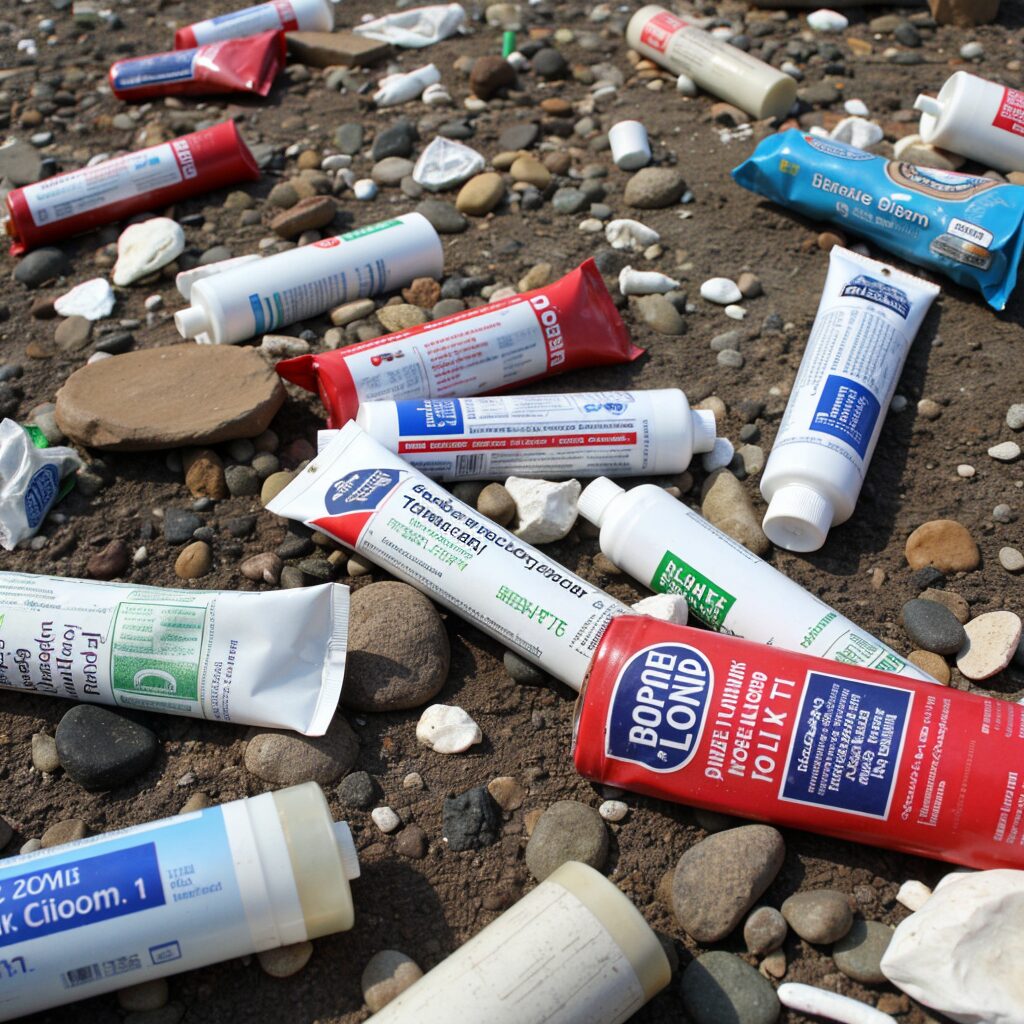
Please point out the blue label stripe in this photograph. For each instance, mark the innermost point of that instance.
(176, 66)
(847, 410)
(421, 417)
(256, 305)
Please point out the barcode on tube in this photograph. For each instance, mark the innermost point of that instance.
(466, 465)
(82, 975)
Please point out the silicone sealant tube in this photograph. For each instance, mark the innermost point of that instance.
(976, 118)
(722, 723)
(274, 659)
(300, 283)
(115, 189)
(563, 326)
(573, 951)
(866, 320)
(277, 15)
(118, 909)
(629, 433)
(715, 66)
(374, 502)
(667, 546)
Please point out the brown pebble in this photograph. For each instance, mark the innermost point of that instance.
(196, 802)
(306, 215)
(411, 842)
(69, 831)
(603, 564)
(934, 664)
(530, 820)
(508, 794)
(497, 504)
(110, 562)
(749, 285)
(828, 240)
(556, 107)
(194, 561)
(204, 474)
(944, 544)
(490, 74)
(952, 600)
(424, 292)
(262, 568)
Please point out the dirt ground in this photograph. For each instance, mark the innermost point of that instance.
(966, 358)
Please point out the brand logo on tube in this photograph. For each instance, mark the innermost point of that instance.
(552, 328)
(658, 706)
(837, 149)
(185, 159)
(880, 293)
(361, 491)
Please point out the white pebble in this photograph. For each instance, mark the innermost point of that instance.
(545, 510)
(856, 108)
(518, 61)
(92, 299)
(153, 302)
(630, 234)
(789, 68)
(97, 357)
(667, 607)
(613, 810)
(645, 282)
(591, 226)
(686, 86)
(1006, 451)
(719, 457)
(145, 247)
(898, 403)
(447, 729)
(819, 1002)
(335, 162)
(972, 51)
(1015, 416)
(913, 894)
(735, 312)
(141, 554)
(413, 781)
(1011, 559)
(437, 95)
(720, 290)
(965, 470)
(365, 189)
(385, 819)
(827, 20)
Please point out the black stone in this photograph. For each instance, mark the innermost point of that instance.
(396, 140)
(295, 547)
(522, 671)
(40, 266)
(933, 627)
(927, 577)
(458, 130)
(444, 218)
(471, 820)
(906, 34)
(549, 63)
(358, 790)
(611, 261)
(116, 342)
(179, 525)
(99, 749)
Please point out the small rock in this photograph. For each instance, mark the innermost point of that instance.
(262, 568)
(749, 285)
(144, 248)
(1015, 416)
(443, 217)
(480, 194)
(385, 819)
(146, 996)
(652, 188)
(992, 640)
(720, 290)
(660, 315)
(613, 810)
(412, 843)
(933, 664)
(69, 831)
(950, 599)
(357, 790)
(820, 916)
(470, 820)
(99, 749)
(204, 474)
(1006, 451)
(40, 266)
(859, 953)
(566, 831)
(944, 544)
(933, 626)
(92, 300)
(667, 607)
(546, 511)
(522, 671)
(194, 561)
(44, 753)
(401, 316)
(390, 171)
(287, 759)
(497, 504)
(720, 988)
(531, 170)
(489, 75)
(764, 931)
(1011, 559)
(109, 563)
(387, 975)
(274, 485)
(179, 525)
(727, 506)
(285, 961)
(827, 20)
(447, 729)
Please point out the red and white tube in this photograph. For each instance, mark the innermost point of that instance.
(568, 324)
(277, 15)
(68, 204)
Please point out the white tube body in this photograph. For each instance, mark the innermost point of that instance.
(977, 119)
(553, 437)
(672, 550)
(573, 951)
(274, 659)
(300, 283)
(157, 899)
(715, 66)
(374, 502)
(287, 15)
(867, 318)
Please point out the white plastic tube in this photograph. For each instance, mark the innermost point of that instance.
(145, 902)
(397, 89)
(819, 1002)
(374, 502)
(715, 66)
(274, 659)
(286, 15)
(867, 318)
(671, 549)
(553, 437)
(573, 951)
(299, 283)
(977, 119)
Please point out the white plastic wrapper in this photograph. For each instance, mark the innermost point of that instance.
(962, 952)
(419, 27)
(29, 482)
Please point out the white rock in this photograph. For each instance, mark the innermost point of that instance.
(92, 299)
(365, 189)
(97, 357)
(667, 607)
(519, 61)
(437, 95)
(719, 457)
(1006, 451)
(686, 86)
(913, 895)
(385, 819)
(1011, 559)
(545, 511)
(153, 303)
(283, 346)
(146, 247)
(856, 131)
(335, 162)
(447, 729)
(613, 810)
(645, 282)
(856, 108)
(446, 163)
(972, 51)
(395, 89)
(630, 234)
(965, 470)
(827, 20)
(961, 952)
(720, 290)
(591, 226)
(992, 640)
(734, 312)
(819, 1002)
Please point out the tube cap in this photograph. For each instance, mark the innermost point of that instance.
(191, 321)
(704, 430)
(798, 518)
(596, 498)
(347, 850)
(928, 105)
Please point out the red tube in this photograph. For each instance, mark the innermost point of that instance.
(566, 325)
(249, 64)
(68, 204)
(718, 722)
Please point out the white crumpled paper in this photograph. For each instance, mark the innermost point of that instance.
(962, 953)
(445, 164)
(419, 27)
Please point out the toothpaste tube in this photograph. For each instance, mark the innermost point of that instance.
(568, 324)
(374, 502)
(274, 659)
(277, 15)
(968, 228)
(68, 204)
(729, 725)
(249, 64)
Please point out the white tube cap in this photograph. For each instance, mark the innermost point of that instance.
(347, 850)
(191, 321)
(798, 518)
(928, 105)
(630, 146)
(596, 498)
(704, 430)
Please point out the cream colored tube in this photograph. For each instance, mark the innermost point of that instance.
(574, 951)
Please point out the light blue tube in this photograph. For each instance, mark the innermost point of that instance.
(968, 228)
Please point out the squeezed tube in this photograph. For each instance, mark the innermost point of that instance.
(565, 325)
(867, 318)
(672, 550)
(374, 502)
(172, 895)
(722, 723)
(717, 67)
(200, 653)
(573, 951)
(276, 15)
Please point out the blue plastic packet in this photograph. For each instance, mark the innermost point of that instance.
(970, 229)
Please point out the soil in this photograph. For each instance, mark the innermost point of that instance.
(966, 358)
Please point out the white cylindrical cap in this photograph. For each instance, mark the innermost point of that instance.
(596, 498)
(630, 146)
(928, 105)
(798, 518)
(704, 430)
(191, 321)
(347, 850)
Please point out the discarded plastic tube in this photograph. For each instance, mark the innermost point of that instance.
(200, 653)
(722, 723)
(574, 950)
(172, 895)
(68, 204)
(277, 15)
(374, 502)
(819, 1002)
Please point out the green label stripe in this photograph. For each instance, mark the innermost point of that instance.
(370, 229)
(708, 601)
(156, 649)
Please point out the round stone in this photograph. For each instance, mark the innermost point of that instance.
(820, 916)
(1006, 451)
(933, 664)
(932, 626)
(385, 819)
(401, 316)
(944, 544)
(991, 643)
(194, 561)
(447, 729)
(44, 753)
(274, 485)
(40, 266)
(720, 878)
(99, 749)
(652, 188)
(549, 63)
(859, 953)
(71, 830)
(764, 931)
(720, 290)
(265, 567)
(285, 961)
(1011, 559)
(386, 975)
(288, 759)
(398, 652)
(522, 671)
(411, 842)
(532, 171)
(242, 481)
(110, 562)
(391, 170)
(720, 988)
(357, 790)
(660, 315)
(613, 810)
(566, 831)
(497, 504)
(443, 217)
(480, 194)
